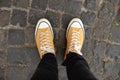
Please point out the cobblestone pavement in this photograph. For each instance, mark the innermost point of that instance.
(19, 56)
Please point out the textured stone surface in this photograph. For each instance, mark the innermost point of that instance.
(2, 74)
(16, 37)
(69, 8)
(106, 12)
(18, 72)
(32, 55)
(35, 15)
(19, 55)
(65, 20)
(19, 17)
(29, 35)
(4, 17)
(61, 75)
(3, 39)
(115, 31)
(39, 4)
(90, 4)
(118, 16)
(113, 52)
(21, 3)
(101, 30)
(5, 3)
(114, 2)
(88, 18)
(57, 4)
(2, 57)
(54, 18)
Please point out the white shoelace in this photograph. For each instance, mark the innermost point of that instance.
(75, 44)
(45, 42)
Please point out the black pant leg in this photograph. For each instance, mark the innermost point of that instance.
(47, 68)
(77, 68)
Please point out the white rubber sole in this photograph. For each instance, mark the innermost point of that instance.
(46, 21)
(71, 22)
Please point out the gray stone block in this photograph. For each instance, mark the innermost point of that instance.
(5, 3)
(17, 56)
(16, 37)
(106, 12)
(21, 3)
(3, 39)
(2, 74)
(88, 17)
(66, 18)
(54, 18)
(39, 4)
(19, 17)
(35, 15)
(57, 4)
(17, 73)
(101, 29)
(30, 36)
(4, 17)
(73, 7)
(90, 4)
(114, 34)
(2, 57)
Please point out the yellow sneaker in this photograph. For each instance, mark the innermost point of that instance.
(75, 36)
(44, 37)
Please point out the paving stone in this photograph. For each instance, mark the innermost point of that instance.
(35, 15)
(21, 3)
(106, 12)
(33, 55)
(99, 49)
(30, 35)
(16, 37)
(2, 74)
(62, 38)
(114, 34)
(54, 18)
(88, 17)
(97, 59)
(31, 70)
(118, 16)
(57, 4)
(62, 73)
(119, 3)
(113, 51)
(16, 73)
(17, 56)
(88, 32)
(56, 37)
(101, 30)
(60, 55)
(5, 3)
(73, 9)
(19, 17)
(2, 57)
(4, 17)
(114, 2)
(39, 4)
(3, 39)
(90, 4)
(66, 18)
(94, 62)
(111, 71)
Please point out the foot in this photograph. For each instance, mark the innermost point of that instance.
(75, 36)
(44, 37)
